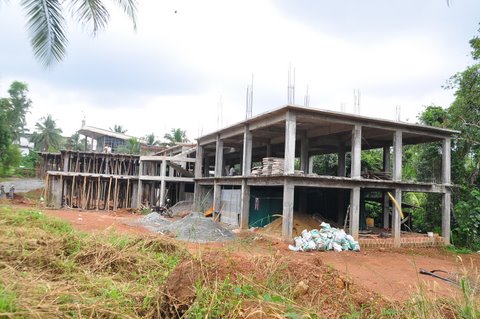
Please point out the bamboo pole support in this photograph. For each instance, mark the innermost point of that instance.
(98, 194)
(108, 195)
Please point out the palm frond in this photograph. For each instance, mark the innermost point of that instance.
(129, 7)
(46, 25)
(91, 14)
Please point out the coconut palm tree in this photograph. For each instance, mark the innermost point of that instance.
(46, 22)
(176, 136)
(47, 136)
(118, 129)
(151, 140)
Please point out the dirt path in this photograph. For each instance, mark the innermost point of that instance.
(393, 274)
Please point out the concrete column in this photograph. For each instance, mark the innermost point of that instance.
(247, 152)
(217, 198)
(354, 211)
(140, 185)
(396, 219)
(269, 149)
(356, 152)
(446, 206)
(206, 168)
(304, 148)
(66, 161)
(310, 164)
(290, 134)
(163, 172)
(386, 159)
(245, 205)
(288, 198)
(446, 149)
(397, 156)
(386, 210)
(134, 196)
(198, 196)
(219, 158)
(56, 191)
(199, 162)
(341, 171)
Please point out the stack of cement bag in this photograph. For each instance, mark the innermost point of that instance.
(327, 238)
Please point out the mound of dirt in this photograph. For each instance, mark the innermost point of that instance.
(196, 228)
(300, 222)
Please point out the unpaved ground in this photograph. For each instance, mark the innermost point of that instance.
(391, 273)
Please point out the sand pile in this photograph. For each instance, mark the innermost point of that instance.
(196, 228)
(300, 222)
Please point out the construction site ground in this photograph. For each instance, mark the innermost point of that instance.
(391, 273)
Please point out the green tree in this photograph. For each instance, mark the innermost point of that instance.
(151, 140)
(176, 136)
(47, 25)
(12, 123)
(74, 143)
(131, 147)
(47, 137)
(118, 129)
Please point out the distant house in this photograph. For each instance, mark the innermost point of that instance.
(24, 144)
(101, 138)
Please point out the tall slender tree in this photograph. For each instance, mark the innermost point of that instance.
(176, 135)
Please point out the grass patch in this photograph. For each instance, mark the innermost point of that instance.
(49, 270)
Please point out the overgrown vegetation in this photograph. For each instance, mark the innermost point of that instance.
(49, 270)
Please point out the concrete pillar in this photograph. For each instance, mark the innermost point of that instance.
(206, 168)
(288, 198)
(219, 158)
(245, 205)
(386, 199)
(134, 196)
(356, 152)
(56, 191)
(66, 161)
(140, 185)
(217, 198)
(163, 172)
(199, 162)
(247, 152)
(341, 171)
(446, 206)
(197, 196)
(354, 211)
(269, 149)
(181, 191)
(310, 165)
(304, 148)
(396, 219)
(397, 156)
(290, 134)
(386, 210)
(446, 149)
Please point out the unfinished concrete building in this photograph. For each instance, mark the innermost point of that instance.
(250, 168)
(109, 181)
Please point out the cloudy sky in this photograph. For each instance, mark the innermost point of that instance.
(189, 63)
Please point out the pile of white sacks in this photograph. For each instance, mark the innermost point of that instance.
(327, 238)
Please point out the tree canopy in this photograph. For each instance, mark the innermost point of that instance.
(176, 135)
(47, 137)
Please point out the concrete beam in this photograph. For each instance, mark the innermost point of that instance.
(446, 207)
(397, 156)
(245, 205)
(354, 212)
(356, 152)
(288, 200)
(290, 135)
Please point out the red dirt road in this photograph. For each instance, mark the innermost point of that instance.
(391, 273)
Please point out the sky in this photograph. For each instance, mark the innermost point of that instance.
(189, 63)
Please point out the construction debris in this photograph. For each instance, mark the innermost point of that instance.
(196, 228)
(327, 238)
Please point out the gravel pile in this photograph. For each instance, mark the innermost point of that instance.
(182, 208)
(196, 228)
(153, 221)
